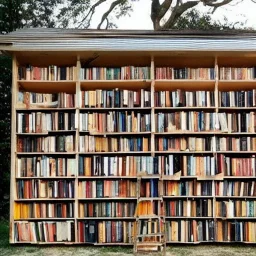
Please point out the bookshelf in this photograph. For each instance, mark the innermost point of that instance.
(125, 138)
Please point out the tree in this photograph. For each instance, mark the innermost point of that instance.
(164, 14)
(15, 14)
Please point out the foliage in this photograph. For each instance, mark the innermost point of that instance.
(194, 20)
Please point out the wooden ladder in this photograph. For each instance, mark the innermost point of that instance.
(150, 236)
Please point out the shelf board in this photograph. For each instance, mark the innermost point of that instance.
(184, 152)
(234, 85)
(44, 219)
(187, 84)
(45, 153)
(184, 133)
(185, 217)
(148, 176)
(43, 199)
(43, 86)
(106, 177)
(107, 198)
(115, 109)
(116, 133)
(236, 152)
(158, 109)
(112, 84)
(235, 218)
(235, 197)
(31, 109)
(237, 108)
(196, 197)
(44, 133)
(117, 153)
(144, 198)
(47, 178)
(106, 218)
(239, 177)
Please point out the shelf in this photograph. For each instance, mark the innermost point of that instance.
(195, 197)
(112, 84)
(106, 177)
(47, 178)
(184, 133)
(185, 152)
(235, 197)
(45, 219)
(31, 109)
(106, 218)
(234, 85)
(193, 218)
(236, 152)
(235, 218)
(44, 153)
(41, 86)
(188, 84)
(117, 153)
(45, 133)
(43, 199)
(115, 109)
(116, 133)
(107, 198)
(239, 177)
(237, 108)
(158, 109)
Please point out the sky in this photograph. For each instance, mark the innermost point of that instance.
(243, 10)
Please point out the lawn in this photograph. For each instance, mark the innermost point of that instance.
(199, 250)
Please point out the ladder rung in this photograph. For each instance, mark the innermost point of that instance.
(148, 217)
(153, 234)
(149, 244)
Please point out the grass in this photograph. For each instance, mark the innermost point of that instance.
(198, 250)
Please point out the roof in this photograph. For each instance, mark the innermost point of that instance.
(44, 39)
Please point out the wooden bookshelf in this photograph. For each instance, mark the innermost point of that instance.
(197, 179)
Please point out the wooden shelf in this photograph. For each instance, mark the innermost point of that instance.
(44, 153)
(192, 218)
(31, 109)
(107, 198)
(106, 218)
(112, 84)
(115, 109)
(45, 133)
(45, 219)
(47, 86)
(43, 199)
(105, 177)
(185, 152)
(117, 153)
(47, 178)
(116, 133)
(185, 84)
(234, 85)
(158, 109)
(196, 197)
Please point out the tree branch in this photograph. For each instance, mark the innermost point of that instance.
(111, 8)
(164, 7)
(91, 12)
(177, 11)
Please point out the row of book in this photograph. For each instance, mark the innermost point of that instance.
(235, 73)
(189, 208)
(190, 231)
(50, 73)
(236, 166)
(187, 165)
(43, 100)
(115, 121)
(89, 143)
(236, 144)
(28, 189)
(185, 121)
(116, 98)
(106, 232)
(238, 98)
(182, 98)
(149, 188)
(188, 188)
(60, 143)
(43, 210)
(107, 188)
(117, 166)
(107, 209)
(237, 208)
(39, 122)
(235, 231)
(237, 122)
(184, 143)
(185, 73)
(124, 231)
(115, 73)
(149, 208)
(44, 231)
(44, 166)
(235, 188)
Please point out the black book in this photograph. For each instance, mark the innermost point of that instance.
(63, 73)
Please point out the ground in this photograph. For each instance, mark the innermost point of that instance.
(198, 250)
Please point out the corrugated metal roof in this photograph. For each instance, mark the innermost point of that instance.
(127, 40)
